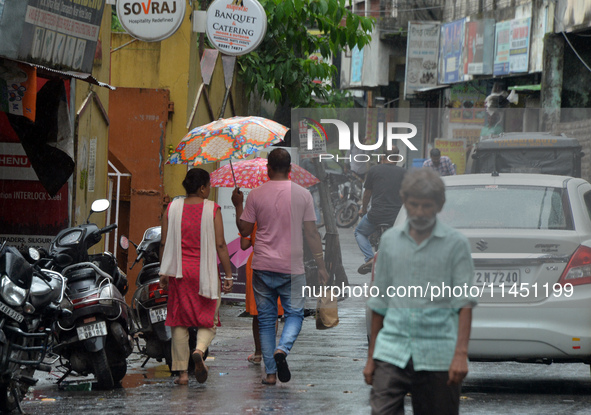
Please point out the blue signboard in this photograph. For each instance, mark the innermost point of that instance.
(450, 52)
(502, 48)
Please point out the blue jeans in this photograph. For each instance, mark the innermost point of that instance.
(362, 232)
(268, 286)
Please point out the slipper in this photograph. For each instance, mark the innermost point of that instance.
(181, 382)
(255, 359)
(283, 372)
(200, 368)
(264, 382)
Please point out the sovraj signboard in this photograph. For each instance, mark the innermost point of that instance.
(151, 21)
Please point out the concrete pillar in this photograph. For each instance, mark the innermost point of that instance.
(553, 61)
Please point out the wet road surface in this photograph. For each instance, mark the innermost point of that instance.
(326, 371)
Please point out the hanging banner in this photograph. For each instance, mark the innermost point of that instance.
(61, 34)
(356, 66)
(18, 89)
(478, 47)
(236, 27)
(151, 21)
(422, 50)
(502, 48)
(519, 52)
(450, 52)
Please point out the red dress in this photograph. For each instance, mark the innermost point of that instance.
(186, 308)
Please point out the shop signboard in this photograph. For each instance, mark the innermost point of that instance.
(478, 47)
(450, 52)
(455, 150)
(422, 51)
(519, 52)
(61, 34)
(22, 197)
(502, 48)
(236, 27)
(151, 21)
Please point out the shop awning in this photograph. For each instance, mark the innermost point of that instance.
(524, 88)
(431, 88)
(86, 77)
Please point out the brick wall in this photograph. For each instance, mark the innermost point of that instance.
(581, 130)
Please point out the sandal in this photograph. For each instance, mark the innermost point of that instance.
(200, 368)
(283, 372)
(178, 381)
(255, 359)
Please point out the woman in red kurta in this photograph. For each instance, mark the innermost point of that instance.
(186, 306)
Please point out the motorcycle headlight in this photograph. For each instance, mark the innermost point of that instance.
(12, 293)
(152, 233)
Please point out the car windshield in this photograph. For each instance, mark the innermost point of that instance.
(506, 207)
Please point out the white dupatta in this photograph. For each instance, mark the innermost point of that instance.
(172, 257)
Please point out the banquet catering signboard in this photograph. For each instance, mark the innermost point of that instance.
(151, 21)
(236, 27)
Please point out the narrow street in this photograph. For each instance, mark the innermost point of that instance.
(326, 376)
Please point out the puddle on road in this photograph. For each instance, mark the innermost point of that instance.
(141, 376)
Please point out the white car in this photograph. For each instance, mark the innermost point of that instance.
(530, 236)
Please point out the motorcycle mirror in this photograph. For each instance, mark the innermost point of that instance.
(34, 254)
(99, 205)
(124, 242)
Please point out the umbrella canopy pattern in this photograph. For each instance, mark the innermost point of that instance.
(223, 139)
(253, 173)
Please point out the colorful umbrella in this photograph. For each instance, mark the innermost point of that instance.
(253, 173)
(223, 139)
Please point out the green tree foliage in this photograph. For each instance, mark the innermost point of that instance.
(281, 70)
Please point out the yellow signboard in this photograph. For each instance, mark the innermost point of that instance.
(455, 150)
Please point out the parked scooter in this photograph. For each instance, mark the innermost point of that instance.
(31, 299)
(95, 338)
(149, 302)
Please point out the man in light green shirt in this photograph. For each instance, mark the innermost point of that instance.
(422, 315)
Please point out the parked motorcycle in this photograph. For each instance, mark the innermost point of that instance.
(149, 302)
(347, 208)
(31, 299)
(95, 338)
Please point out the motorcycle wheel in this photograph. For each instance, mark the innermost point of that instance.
(347, 215)
(13, 392)
(168, 354)
(101, 370)
(119, 370)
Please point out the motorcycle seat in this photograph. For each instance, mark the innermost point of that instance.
(80, 274)
(42, 294)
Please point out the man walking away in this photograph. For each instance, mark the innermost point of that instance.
(280, 208)
(441, 164)
(382, 189)
(419, 344)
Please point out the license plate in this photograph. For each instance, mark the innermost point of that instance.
(92, 330)
(11, 313)
(497, 277)
(157, 314)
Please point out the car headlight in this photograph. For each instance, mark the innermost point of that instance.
(12, 293)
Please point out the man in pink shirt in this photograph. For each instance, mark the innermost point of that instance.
(284, 214)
